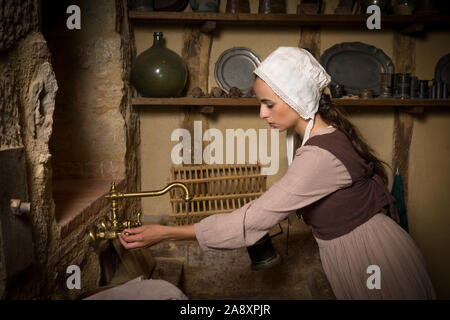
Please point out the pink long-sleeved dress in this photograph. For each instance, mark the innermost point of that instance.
(375, 260)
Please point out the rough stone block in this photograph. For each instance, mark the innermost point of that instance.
(17, 19)
(9, 112)
(170, 270)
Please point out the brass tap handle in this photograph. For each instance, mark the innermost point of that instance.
(115, 196)
(114, 205)
(110, 228)
(105, 224)
(93, 234)
(127, 224)
(138, 221)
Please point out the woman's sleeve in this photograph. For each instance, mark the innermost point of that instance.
(313, 174)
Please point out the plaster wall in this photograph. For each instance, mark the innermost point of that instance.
(428, 167)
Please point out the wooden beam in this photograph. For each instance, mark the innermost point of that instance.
(208, 26)
(196, 52)
(404, 53)
(414, 28)
(309, 39)
(405, 62)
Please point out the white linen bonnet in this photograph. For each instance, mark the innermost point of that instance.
(298, 79)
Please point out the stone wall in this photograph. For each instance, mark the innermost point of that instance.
(17, 19)
(18, 29)
(88, 65)
(84, 108)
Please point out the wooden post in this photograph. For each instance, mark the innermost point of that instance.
(309, 39)
(196, 53)
(405, 62)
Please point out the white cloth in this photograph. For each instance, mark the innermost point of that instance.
(140, 289)
(298, 79)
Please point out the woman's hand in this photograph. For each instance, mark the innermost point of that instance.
(143, 236)
(151, 234)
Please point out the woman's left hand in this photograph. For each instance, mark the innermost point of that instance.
(143, 236)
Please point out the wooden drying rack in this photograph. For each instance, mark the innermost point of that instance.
(216, 189)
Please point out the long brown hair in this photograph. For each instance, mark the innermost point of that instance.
(335, 115)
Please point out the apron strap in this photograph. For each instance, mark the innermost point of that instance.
(392, 208)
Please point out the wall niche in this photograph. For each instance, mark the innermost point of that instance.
(88, 145)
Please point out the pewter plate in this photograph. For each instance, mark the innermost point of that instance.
(442, 70)
(234, 68)
(356, 66)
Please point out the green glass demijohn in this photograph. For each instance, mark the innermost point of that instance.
(159, 71)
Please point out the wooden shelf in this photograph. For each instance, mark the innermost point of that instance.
(187, 101)
(288, 19)
(392, 102)
(409, 23)
(147, 103)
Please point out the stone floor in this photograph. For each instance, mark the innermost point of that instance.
(226, 274)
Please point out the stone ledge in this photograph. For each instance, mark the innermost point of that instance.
(77, 201)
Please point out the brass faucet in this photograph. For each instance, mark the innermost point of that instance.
(110, 228)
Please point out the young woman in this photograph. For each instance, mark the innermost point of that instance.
(334, 182)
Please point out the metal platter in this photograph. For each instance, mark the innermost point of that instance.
(234, 68)
(442, 70)
(356, 66)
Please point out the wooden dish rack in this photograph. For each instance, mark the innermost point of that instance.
(216, 189)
